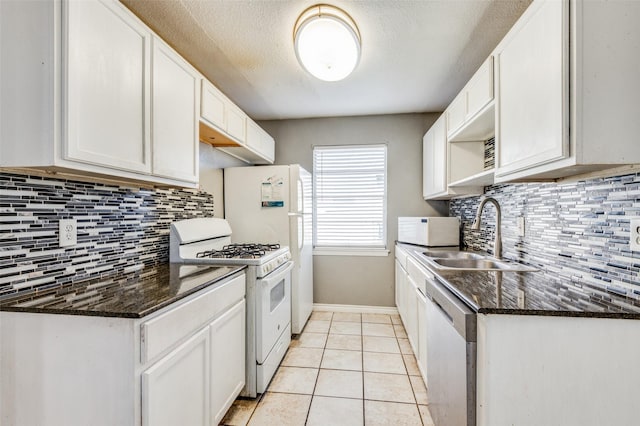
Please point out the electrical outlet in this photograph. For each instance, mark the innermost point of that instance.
(67, 232)
(521, 230)
(634, 238)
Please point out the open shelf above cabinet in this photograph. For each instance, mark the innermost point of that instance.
(479, 128)
(484, 178)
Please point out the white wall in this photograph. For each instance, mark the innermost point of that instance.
(212, 161)
(358, 280)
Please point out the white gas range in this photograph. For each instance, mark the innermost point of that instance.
(207, 241)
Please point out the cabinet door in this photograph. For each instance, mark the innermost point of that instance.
(268, 147)
(107, 77)
(532, 93)
(440, 180)
(435, 160)
(412, 315)
(260, 142)
(421, 356)
(227, 360)
(175, 116)
(254, 136)
(175, 390)
(236, 122)
(213, 105)
(456, 113)
(480, 89)
(398, 293)
(427, 164)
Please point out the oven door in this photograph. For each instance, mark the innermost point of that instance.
(273, 309)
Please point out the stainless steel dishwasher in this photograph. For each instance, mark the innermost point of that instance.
(451, 357)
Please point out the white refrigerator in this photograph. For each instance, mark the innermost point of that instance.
(273, 204)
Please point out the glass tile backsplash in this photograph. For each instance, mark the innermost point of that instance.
(119, 229)
(577, 230)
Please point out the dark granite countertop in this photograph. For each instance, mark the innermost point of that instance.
(532, 293)
(129, 295)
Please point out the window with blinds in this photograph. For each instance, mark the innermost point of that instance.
(350, 196)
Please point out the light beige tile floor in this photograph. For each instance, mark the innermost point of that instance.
(344, 369)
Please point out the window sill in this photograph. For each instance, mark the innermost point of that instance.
(350, 252)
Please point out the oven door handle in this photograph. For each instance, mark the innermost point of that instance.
(276, 276)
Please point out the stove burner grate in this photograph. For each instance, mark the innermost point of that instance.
(242, 251)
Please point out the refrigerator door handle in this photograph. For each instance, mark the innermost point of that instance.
(301, 195)
(301, 236)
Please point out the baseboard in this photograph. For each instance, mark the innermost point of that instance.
(355, 308)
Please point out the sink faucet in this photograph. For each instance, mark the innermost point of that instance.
(497, 244)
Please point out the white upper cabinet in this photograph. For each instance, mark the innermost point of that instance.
(213, 106)
(224, 115)
(444, 163)
(236, 122)
(479, 90)
(78, 95)
(228, 128)
(434, 161)
(456, 113)
(107, 80)
(567, 92)
(261, 142)
(454, 148)
(175, 115)
(532, 89)
(471, 115)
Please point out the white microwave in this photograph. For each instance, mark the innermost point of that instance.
(429, 231)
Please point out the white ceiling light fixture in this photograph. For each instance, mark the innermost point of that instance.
(327, 42)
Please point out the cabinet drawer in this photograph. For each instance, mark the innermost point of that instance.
(401, 255)
(164, 331)
(418, 274)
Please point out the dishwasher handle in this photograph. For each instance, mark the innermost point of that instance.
(443, 312)
(454, 310)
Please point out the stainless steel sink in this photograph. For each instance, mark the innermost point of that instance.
(480, 264)
(451, 255)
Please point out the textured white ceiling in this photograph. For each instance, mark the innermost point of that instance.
(416, 54)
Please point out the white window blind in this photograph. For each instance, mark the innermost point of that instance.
(350, 196)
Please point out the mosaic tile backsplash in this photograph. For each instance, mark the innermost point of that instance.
(578, 231)
(120, 229)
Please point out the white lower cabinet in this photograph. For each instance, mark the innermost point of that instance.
(537, 370)
(400, 273)
(182, 365)
(422, 335)
(411, 304)
(402, 281)
(411, 323)
(175, 390)
(227, 360)
(209, 369)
